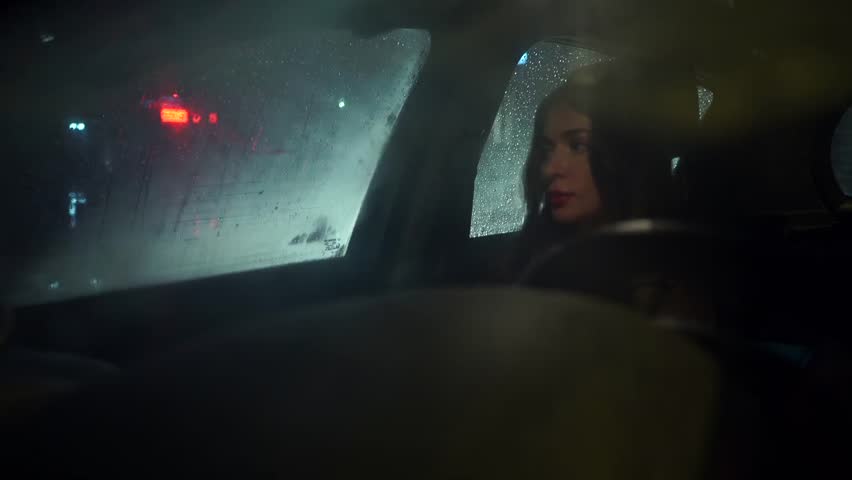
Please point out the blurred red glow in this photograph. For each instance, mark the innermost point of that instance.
(174, 115)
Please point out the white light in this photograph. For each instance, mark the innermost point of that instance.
(81, 126)
(72, 126)
(675, 163)
(341, 103)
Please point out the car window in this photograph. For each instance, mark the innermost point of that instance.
(498, 205)
(705, 100)
(246, 156)
(498, 200)
(841, 153)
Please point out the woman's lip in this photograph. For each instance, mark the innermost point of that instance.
(559, 199)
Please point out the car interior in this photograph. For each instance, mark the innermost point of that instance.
(399, 350)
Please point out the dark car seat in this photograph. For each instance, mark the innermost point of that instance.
(30, 378)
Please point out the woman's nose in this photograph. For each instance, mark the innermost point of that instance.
(556, 165)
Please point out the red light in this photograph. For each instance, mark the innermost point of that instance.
(196, 118)
(174, 115)
(213, 118)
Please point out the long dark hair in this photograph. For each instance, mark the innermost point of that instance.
(632, 170)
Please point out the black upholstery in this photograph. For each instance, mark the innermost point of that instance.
(29, 378)
(501, 383)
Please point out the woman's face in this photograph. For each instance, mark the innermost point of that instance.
(572, 195)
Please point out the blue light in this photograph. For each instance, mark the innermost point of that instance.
(81, 126)
(74, 199)
(524, 58)
(72, 126)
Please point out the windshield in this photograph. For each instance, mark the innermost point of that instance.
(249, 154)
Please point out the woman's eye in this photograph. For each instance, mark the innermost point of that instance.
(580, 147)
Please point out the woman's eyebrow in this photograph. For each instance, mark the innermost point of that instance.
(576, 131)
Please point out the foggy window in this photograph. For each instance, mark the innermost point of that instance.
(841, 153)
(498, 205)
(254, 155)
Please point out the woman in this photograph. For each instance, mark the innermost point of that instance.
(598, 157)
(593, 161)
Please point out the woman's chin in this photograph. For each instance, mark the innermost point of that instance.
(572, 216)
(566, 216)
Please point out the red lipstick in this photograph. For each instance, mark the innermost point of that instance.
(559, 199)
